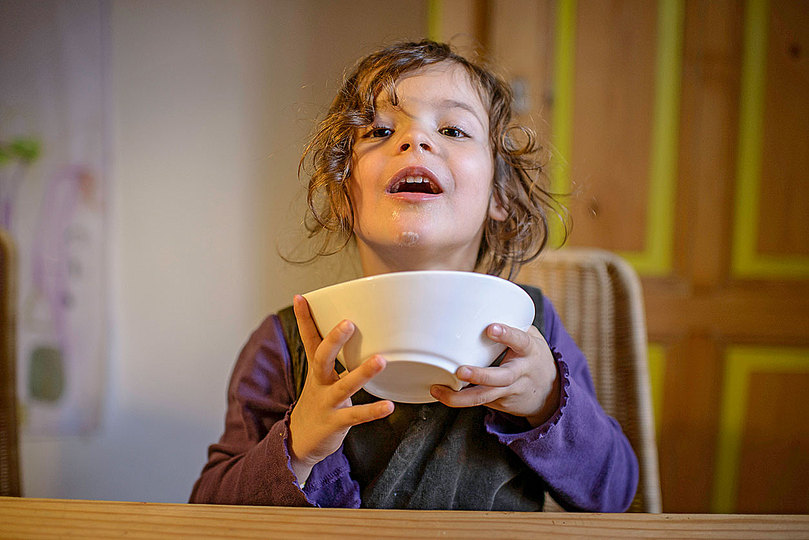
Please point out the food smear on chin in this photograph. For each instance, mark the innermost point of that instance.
(408, 238)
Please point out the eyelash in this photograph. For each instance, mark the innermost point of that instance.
(461, 133)
(373, 133)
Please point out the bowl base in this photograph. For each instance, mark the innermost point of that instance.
(407, 377)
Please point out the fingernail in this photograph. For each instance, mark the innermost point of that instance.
(496, 330)
(464, 373)
(346, 326)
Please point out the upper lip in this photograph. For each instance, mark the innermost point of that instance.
(418, 171)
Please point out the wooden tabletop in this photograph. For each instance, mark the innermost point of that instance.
(53, 518)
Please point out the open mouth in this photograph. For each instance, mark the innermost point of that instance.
(415, 184)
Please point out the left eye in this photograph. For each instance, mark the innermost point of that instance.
(452, 132)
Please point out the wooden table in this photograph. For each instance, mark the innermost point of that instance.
(53, 518)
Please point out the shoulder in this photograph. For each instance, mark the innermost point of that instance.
(264, 359)
(269, 333)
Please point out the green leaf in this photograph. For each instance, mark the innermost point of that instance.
(26, 150)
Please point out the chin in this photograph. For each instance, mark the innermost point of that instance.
(408, 239)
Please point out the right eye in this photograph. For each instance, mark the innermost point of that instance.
(378, 132)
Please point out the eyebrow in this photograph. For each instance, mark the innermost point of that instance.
(455, 104)
(448, 103)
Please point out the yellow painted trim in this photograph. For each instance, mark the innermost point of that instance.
(746, 262)
(657, 372)
(656, 259)
(562, 121)
(434, 13)
(740, 363)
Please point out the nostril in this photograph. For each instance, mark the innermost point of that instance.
(421, 146)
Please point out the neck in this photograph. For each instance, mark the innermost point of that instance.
(383, 261)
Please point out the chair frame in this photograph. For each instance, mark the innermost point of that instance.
(599, 298)
(9, 445)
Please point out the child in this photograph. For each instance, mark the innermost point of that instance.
(417, 163)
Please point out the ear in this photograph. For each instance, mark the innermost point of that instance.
(497, 211)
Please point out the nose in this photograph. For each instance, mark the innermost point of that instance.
(415, 139)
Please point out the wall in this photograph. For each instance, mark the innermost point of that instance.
(210, 104)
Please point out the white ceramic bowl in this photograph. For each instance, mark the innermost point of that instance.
(426, 324)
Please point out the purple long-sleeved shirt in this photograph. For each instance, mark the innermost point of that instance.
(580, 453)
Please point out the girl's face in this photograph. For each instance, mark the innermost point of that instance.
(421, 180)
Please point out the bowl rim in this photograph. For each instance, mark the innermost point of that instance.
(464, 274)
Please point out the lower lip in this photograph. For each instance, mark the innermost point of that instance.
(414, 197)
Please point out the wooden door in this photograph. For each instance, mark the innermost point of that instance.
(680, 131)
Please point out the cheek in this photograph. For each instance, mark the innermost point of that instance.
(354, 183)
(355, 197)
(359, 181)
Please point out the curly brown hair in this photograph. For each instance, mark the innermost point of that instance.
(506, 245)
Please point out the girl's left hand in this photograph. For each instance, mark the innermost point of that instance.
(526, 383)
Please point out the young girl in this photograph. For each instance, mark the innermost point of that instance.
(416, 161)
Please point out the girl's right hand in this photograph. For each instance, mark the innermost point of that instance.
(324, 413)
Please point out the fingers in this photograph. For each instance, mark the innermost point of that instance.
(471, 396)
(352, 381)
(360, 414)
(320, 352)
(522, 345)
(494, 383)
(306, 325)
(503, 375)
(515, 339)
(322, 362)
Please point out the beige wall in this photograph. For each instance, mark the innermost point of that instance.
(210, 104)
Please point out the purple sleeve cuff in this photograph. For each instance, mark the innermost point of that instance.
(508, 428)
(330, 483)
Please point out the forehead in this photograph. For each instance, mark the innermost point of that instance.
(444, 82)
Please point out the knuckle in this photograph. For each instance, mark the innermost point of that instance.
(349, 417)
(358, 415)
(481, 399)
(448, 397)
(481, 376)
